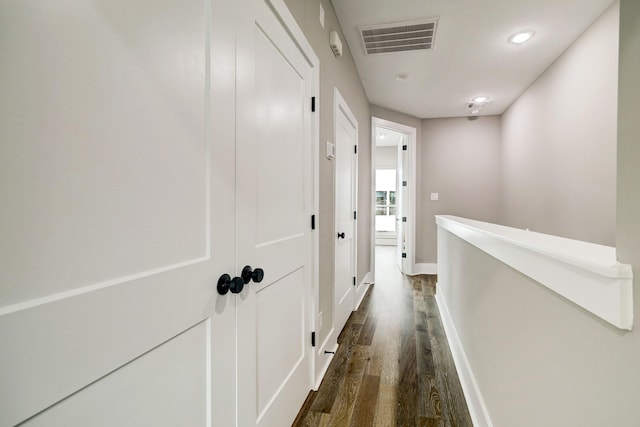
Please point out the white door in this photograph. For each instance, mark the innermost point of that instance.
(114, 218)
(345, 223)
(274, 206)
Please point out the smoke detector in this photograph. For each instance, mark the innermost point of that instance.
(398, 36)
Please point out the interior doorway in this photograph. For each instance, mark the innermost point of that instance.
(393, 154)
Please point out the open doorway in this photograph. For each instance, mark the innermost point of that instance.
(393, 156)
(386, 186)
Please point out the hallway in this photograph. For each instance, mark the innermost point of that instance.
(393, 366)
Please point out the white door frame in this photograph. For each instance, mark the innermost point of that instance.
(409, 265)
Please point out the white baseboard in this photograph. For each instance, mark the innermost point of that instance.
(475, 402)
(331, 342)
(425, 268)
(366, 282)
(324, 359)
(381, 241)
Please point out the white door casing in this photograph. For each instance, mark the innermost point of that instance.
(111, 247)
(277, 75)
(346, 138)
(406, 193)
(402, 203)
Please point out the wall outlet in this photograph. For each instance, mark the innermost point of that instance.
(320, 316)
(321, 16)
(434, 196)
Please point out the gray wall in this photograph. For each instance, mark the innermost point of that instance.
(341, 73)
(559, 143)
(460, 160)
(539, 359)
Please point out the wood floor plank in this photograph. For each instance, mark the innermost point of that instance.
(454, 406)
(407, 382)
(378, 353)
(360, 315)
(328, 390)
(304, 412)
(430, 422)
(347, 394)
(386, 408)
(368, 330)
(367, 398)
(393, 367)
(429, 405)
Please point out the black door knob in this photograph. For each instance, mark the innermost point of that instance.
(226, 284)
(341, 235)
(249, 274)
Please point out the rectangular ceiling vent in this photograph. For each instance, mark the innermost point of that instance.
(399, 36)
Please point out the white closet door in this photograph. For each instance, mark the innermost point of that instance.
(111, 204)
(345, 205)
(274, 207)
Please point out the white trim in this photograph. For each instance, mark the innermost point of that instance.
(425, 268)
(315, 292)
(475, 402)
(366, 282)
(373, 200)
(386, 241)
(585, 273)
(327, 357)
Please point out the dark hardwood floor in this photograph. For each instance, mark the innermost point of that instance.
(393, 366)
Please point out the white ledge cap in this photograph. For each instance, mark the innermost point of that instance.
(608, 293)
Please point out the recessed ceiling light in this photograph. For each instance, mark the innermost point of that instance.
(521, 37)
(480, 99)
(402, 76)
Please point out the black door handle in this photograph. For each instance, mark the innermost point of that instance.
(249, 274)
(341, 235)
(226, 284)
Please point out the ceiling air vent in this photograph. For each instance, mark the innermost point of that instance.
(399, 36)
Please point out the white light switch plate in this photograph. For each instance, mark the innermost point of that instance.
(331, 151)
(434, 196)
(321, 16)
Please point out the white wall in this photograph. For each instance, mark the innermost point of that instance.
(559, 142)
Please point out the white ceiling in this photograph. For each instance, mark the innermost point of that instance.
(387, 137)
(471, 54)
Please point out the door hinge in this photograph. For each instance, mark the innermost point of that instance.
(313, 339)
(404, 255)
(404, 148)
(313, 104)
(404, 219)
(404, 183)
(355, 149)
(355, 216)
(313, 222)
(354, 280)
